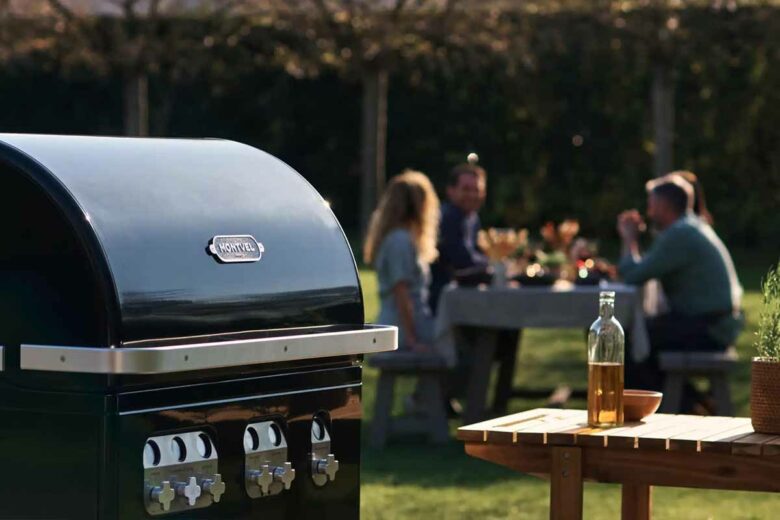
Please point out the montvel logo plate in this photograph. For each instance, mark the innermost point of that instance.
(236, 248)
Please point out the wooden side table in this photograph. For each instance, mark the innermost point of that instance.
(663, 450)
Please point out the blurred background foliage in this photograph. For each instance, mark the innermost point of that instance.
(555, 97)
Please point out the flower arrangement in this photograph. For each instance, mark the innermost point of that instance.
(560, 238)
(560, 254)
(557, 241)
(499, 244)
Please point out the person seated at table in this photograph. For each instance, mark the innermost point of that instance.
(400, 244)
(458, 250)
(654, 298)
(699, 200)
(458, 228)
(696, 273)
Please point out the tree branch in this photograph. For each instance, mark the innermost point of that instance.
(399, 6)
(62, 9)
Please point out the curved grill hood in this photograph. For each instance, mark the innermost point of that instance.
(144, 211)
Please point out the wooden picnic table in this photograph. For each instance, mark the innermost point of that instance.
(488, 311)
(662, 450)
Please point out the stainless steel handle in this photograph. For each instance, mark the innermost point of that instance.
(2, 358)
(205, 356)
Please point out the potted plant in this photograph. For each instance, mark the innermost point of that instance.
(765, 382)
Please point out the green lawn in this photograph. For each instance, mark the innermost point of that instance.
(410, 479)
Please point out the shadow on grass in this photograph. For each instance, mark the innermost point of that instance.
(409, 461)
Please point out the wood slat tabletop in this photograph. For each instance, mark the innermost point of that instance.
(556, 427)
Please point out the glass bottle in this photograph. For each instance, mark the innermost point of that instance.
(606, 345)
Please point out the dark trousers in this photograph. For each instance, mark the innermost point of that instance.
(460, 376)
(669, 332)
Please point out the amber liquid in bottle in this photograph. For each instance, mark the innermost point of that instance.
(606, 344)
(605, 394)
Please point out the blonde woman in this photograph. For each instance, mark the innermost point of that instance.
(400, 245)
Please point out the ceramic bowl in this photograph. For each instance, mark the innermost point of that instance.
(638, 404)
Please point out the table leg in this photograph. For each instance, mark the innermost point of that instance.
(508, 349)
(566, 484)
(476, 394)
(637, 502)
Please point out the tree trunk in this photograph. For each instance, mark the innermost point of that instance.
(136, 105)
(374, 142)
(663, 120)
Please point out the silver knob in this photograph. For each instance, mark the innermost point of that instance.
(284, 474)
(327, 466)
(163, 495)
(263, 477)
(189, 490)
(214, 486)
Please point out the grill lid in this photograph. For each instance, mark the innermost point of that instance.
(193, 237)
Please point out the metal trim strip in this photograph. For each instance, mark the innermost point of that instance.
(238, 399)
(2, 358)
(204, 356)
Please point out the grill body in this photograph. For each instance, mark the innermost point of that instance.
(162, 302)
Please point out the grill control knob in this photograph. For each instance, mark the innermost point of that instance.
(284, 474)
(189, 490)
(163, 495)
(262, 477)
(214, 486)
(327, 466)
(267, 475)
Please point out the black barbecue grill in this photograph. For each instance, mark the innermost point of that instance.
(182, 328)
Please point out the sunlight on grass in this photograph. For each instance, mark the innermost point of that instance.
(370, 294)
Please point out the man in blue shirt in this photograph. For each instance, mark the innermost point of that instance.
(458, 251)
(458, 228)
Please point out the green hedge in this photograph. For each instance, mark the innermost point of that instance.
(581, 81)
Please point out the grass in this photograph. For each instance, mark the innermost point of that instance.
(410, 479)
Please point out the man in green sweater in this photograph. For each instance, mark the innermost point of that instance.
(696, 273)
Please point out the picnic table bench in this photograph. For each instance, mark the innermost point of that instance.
(663, 450)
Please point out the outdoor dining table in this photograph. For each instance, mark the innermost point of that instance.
(489, 309)
(662, 450)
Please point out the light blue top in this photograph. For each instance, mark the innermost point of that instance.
(395, 262)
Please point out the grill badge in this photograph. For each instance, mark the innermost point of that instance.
(230, 249)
